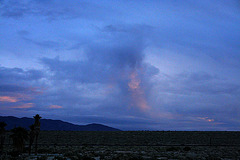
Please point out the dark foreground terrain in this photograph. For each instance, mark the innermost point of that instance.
(132, 145)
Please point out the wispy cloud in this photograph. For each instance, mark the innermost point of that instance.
(55, 107)
(8, 99)
(16, 97)
(24, 106)
(206, 119)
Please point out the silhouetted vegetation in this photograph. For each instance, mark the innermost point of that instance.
(2, 134)
(19, 136)
(36, 130)
(31, 137)
(186, 148)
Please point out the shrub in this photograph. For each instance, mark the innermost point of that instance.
(136, 158)
(42, 158)
(59, 158)
(85, 158)
(44, 150)
(186, 148)
(88, 158)
(14, 153)
(173, 149)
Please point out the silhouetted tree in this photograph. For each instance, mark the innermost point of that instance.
(31, 137)
(2, 133)
(36, 129)
(19, 136)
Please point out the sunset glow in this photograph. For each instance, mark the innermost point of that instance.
(55, 107)
(206, 119)
(137, 93)
(24, 106)
(8, 99)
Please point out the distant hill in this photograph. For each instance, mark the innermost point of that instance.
(49, 124)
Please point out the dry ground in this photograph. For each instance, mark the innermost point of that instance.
(139, 145)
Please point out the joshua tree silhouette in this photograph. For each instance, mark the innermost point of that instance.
(36, 130)
(2, 133)
(19, 136)
(31, 136)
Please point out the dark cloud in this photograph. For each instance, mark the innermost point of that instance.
(105, 63)
(120, 56)
(108, 68)
(13, 9)
(13, 75)
(76, 71)
(199, 82)
(52, 10)
(11, 88)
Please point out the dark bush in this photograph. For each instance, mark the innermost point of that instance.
(80, 157)
(59, 158)
(72, 155)
(44, 150)
(14, 153)
(213, 158)
(173, 149)
(186, 148)
(42, 158)
(136, 158)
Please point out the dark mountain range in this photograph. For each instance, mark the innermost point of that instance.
(49, 124)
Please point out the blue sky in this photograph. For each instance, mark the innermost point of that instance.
(133, 65)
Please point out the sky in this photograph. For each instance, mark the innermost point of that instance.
(132, 65)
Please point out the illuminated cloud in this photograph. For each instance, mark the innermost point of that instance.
(206, 119)
(8, 99)
(138, 97)
(55, 107)
(134, 81)
(24, 106)
(16, 97)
